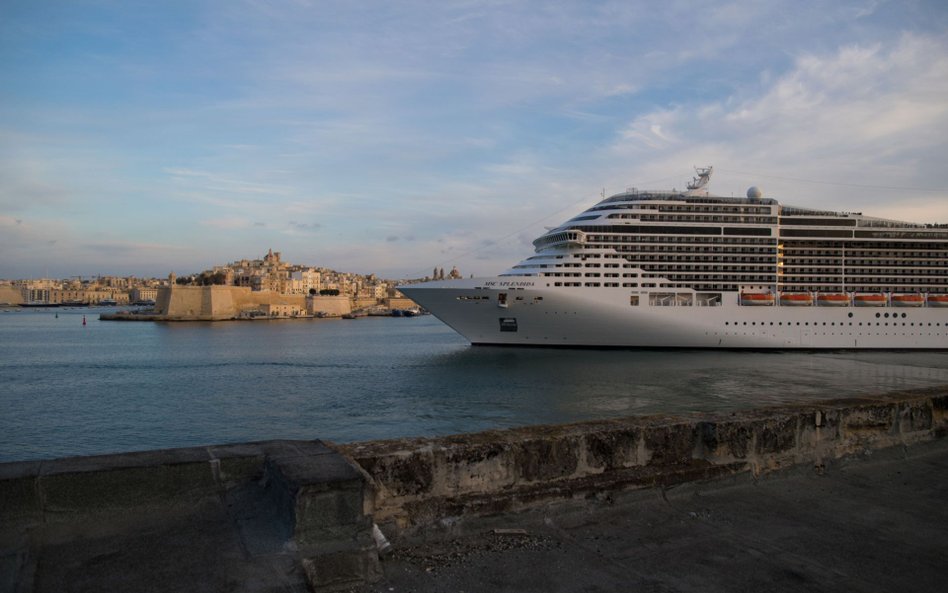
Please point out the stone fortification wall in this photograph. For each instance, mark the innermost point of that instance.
(419, 481)
(330, 305)
(401, 303)
(212, 303)
(10, 294)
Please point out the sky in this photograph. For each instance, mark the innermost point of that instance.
(143, 137)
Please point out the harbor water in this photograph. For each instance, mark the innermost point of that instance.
(73, 389)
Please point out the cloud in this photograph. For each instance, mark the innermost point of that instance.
(871, 116)
(228, 223)
(209, 181)
(399, 125)
(307, 227)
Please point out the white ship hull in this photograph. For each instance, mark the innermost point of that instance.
(668, 269)
(530, 313)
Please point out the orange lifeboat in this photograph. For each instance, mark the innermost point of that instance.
(938, 300)
(796, 299)
(757, 299)
(907, 300)
(869, 300)
(833, 299)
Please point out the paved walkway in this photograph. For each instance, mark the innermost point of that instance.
(874, 523)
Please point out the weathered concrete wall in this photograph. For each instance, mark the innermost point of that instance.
(419, 481)
(317, 494)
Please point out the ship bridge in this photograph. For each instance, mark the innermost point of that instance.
(566, 238)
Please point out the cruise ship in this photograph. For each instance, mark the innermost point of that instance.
(688, 269)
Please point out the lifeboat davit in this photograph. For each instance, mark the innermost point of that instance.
(869, 300)
(907, 300)
(757, 299)
(796, 299)
(833, 300)
(938, 300)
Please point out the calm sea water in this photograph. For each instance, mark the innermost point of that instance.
(68, 389)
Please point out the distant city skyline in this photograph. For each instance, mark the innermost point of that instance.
(140, 138)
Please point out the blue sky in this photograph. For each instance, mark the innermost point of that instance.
(141, 137)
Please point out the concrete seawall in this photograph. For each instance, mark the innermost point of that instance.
(287, 512)
(298, 515)
(419, 481)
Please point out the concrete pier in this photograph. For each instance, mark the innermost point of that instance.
(299, 515)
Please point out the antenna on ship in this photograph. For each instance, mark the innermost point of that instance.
(699, 185)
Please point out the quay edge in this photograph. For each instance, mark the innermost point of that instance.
(299, 515)
(420, 481)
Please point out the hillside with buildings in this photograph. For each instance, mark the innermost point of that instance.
(249, 288)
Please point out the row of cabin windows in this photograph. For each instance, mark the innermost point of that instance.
(874, 261)
(873, 251)
(869, 252)
(609, 284)
(684, 208)
(688, 239)
(678, 239)
(861, 279)
(829, 287)
(769, 220)
(917, 275)
(676, 248)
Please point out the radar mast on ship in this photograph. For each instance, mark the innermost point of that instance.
(699, 185)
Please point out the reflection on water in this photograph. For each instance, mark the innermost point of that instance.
(113, 386)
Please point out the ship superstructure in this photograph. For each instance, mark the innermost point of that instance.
(689, 269)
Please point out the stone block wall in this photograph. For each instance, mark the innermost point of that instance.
(315, 493)
(212, 303)
(419, 481)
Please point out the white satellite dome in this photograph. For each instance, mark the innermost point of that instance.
(754, 193)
